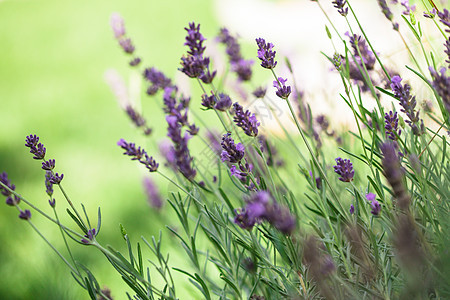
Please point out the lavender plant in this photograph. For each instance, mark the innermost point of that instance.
(372, 225)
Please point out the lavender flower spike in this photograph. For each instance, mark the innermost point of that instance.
(283, 91)
(246, 120)
(442, 85)
(344, 168)
(408, 103)
(139, 155)
(339, 4)
(265, 54)
(25, 214)
(376, 208)
(56, 178)
(11, 199)
(153, 196)
(37, 149)
(391, 121)
(231, 152)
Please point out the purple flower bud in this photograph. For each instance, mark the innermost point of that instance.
(117, 25)
(208, 101)
(48, 165)
(25, 214)
(56, 178)
(153, 196)
(223, 102)
(231, 152)
(344, 168)
(246, 120)
(90, 236)
(392, 130)
(239, 65)
(158, 80)
(376, 208)
(265, 54)
(444, 17)
(48, 184)
(352, 209)
(370, 197)
(4, 179)
(283, 91)
(52, 202)
(37, 149)
(408, 103)
(260, 92)
(441, 83)
(139, 155)
(339, 4)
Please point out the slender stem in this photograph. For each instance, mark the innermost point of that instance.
(180, 187)
(316, 162)
(431, 140)
(53, 248)
(71, 205)
(65, 242)
(40, 211)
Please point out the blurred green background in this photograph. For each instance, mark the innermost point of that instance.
(53, 56)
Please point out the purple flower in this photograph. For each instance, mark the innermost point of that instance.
(431, 14)
(90, 236)
(339, 4)
(243, 68)
(260, 92)
(11, 199)
(394, 173)
(195, 64)
(265, 54)
(283, 91)
(182, 155)
(408, 9)
(246, 120)
(391, 121)
(37, 149)
(153, 196)
(25, 214)
(194, 39)
(352, 209)
(118, 28)
(408, 103)
(344, 168)
(31, 141)
(138, 119)
(157, 79)
(239, 65)
(208, 101)
(52, 202)
(48, 165)
(370, 196)
(231, 152)
(367, 57)
(441, 83)
(166, 149)
(56, 178)
(387, 13)
(117, 25)
(138, 154)
(376, 208)
(4, 179)
(261, 207)
(444, 17)
(48, 184)
(223, 102)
